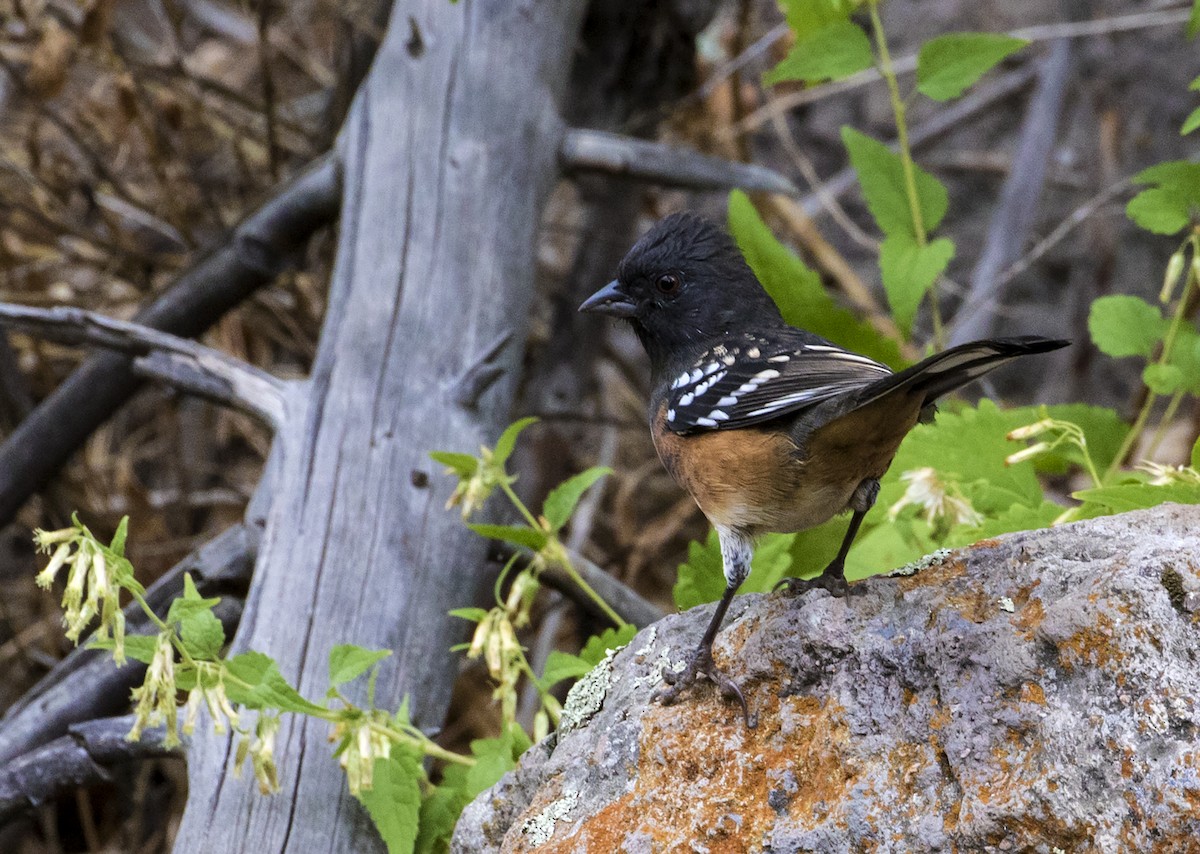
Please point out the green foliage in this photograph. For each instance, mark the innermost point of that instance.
(909, 271)
(907, 264)
(948, 64)
(806, 17)
(256, 683)
(1191, 122)
(518, 535)
(1170, 206)
(562, 665)
(394, 799)
(797, 290)
(1123, 497)
(561, 501)
(1193, 25)
(833, 52)
(1124, 325)
(881, 173)
(348, 661)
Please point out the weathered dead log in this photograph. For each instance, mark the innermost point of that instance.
(448, 152)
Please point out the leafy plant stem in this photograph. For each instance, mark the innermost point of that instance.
(1164, 357)
(574, 575)
(520, 505)
(888, 70)
(422, 743)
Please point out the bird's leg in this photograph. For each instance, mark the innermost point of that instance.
(736, 551)
(833, 577)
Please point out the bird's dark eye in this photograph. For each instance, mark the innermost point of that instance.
(668, 283)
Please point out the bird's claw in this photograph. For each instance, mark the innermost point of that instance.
(834, 583)
(701, 664)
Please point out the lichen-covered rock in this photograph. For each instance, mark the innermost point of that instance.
(1040, 692)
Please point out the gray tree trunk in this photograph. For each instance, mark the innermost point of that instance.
(449, 152)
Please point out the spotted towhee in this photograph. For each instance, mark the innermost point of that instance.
(769, 427)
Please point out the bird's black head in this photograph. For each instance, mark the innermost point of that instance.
(685, 282)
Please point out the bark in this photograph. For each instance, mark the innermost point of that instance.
(449, 151)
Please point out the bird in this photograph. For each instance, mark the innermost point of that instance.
(769, 427)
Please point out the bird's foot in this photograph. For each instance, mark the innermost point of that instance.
(701, 664)
(832, 580)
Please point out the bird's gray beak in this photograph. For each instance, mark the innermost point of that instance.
(611, 300)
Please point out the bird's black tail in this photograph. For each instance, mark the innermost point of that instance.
(946, 371)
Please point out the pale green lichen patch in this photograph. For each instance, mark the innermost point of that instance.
(540, 828)
(587, 695)
(930, 560)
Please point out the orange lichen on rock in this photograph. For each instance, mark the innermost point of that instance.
(713, 784)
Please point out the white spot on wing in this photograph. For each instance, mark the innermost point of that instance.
(680, 380)
(753, 353)
(782, 358)
(711, 367)
(686, 399)
(718, 415)
(727, 400)
(695, 376)
(706, 422)
(768, 374)
(670, 414)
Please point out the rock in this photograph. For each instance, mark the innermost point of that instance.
(1039, 692)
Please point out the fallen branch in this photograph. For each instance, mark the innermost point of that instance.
(599, 151)
(1013, 220)
(81, 757)
(176, 361)
(255, 252)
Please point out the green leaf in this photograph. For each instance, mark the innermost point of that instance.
(808, 16)
(472, 614)
(508, 440)
(1196, 455)
(1124, 325)
(701, 578)
(203, 635)
(1194, 86)
(948, 64)
(347, 662)
(495, 757)
(137, 647)
(394, 800)
(802, 299)
(256, 683)
(562, 665)
(1185, 356)
(1169, 207)
(439, 813)
(597, 646)
(1191, 122)
(1163, 379)
(118, 540)
(881, 175)
(909, 271)
(1138, 496)
(964, 447)
(189, 603)
(1017, 517)
(520, 535)
(833, 52)
(561, 501)
(463, 465)
(1193, 25)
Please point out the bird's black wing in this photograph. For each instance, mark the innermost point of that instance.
(740, 382)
